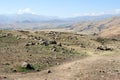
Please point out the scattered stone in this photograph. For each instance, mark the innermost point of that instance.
(27, 66)
(59, 44)
(41, 39)
(104, 48)
(54, 49)
(49, 71)
(14, 70)
(101, 71)
(116, 70)
(30, 55)
(82, 45)
(30, 44)
(52, 42)
(57, 63)
(5, 35)
(6, 63)
(37, 70)
(4, 77)
(44, 43)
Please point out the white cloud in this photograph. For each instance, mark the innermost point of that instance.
(89, 14)
(24, 11)
(116, 11)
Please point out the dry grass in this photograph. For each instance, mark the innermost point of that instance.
(13, 50)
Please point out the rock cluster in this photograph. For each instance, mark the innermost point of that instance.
(104, 48)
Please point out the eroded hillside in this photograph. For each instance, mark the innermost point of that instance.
(103, 27)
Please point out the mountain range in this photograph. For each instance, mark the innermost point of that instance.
(102, 24)
(34, 18)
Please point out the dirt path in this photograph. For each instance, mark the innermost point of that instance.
(91, 68)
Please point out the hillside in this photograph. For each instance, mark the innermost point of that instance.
(113, 31)
(42, 49)
(54, 53)
(101, 26)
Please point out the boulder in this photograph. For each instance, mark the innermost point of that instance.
(26, 66)
(49, 71)
(59, 44)
(44, 43)
(53, 42)
(54, 49)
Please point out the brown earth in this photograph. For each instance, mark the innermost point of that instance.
(96, 65)
(90, 68)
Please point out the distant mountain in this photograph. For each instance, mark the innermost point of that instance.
(32, 18)
(29, 21)
(109, 27)
(32, 21)
(24, 18)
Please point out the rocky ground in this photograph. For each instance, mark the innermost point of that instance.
(51, 55)
(90, 68)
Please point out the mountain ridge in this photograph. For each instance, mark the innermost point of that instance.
(83, 24)
(101, 27)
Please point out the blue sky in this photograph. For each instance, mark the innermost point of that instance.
(61, 8)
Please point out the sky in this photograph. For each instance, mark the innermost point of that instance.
(60, 8)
